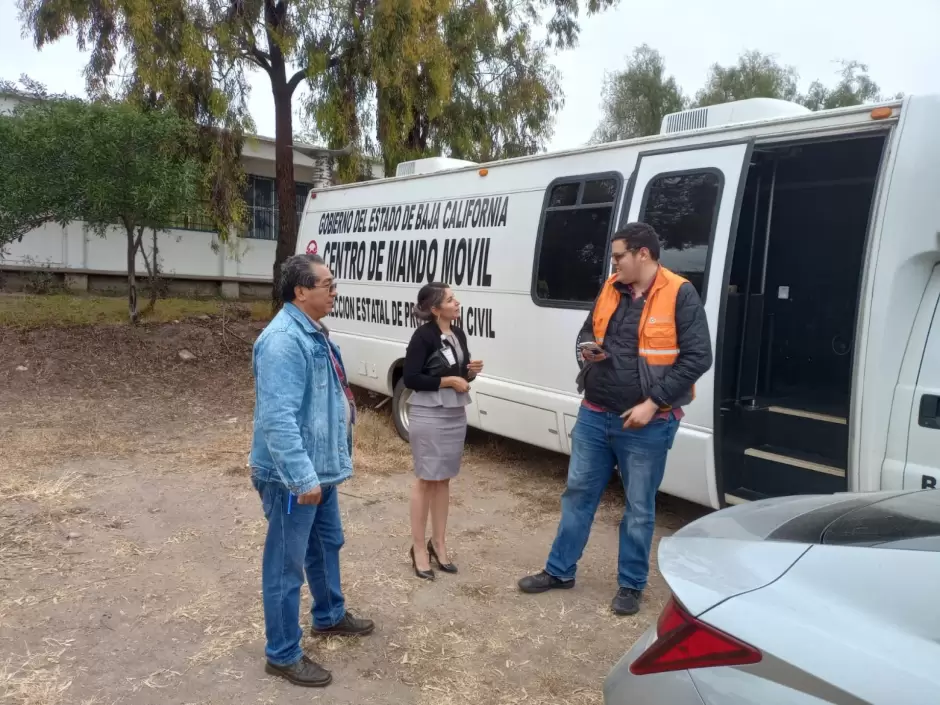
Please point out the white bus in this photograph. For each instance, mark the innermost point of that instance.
(812, 238)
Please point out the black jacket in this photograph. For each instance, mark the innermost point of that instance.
(614, 384)
(424, 343)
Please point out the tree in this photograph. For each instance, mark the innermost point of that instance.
(193, 55)
(466, 78)
(855, 87)
(756, 75)
(386, 64)
(104, 163)
(165, 62)
(636, 99)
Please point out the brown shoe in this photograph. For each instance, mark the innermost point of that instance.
(348, 626)
(304, 673)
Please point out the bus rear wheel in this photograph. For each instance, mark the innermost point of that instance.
(400, 397)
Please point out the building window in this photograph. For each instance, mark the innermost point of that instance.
(571, 255)
(683, 209)
(261, 202)
(198, 220)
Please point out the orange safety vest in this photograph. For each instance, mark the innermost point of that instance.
(657, 335)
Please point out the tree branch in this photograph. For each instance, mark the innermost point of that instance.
(295, 80)
(302, 73)
(259, 58)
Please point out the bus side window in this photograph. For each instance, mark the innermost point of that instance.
(571, 250)
(683, 209)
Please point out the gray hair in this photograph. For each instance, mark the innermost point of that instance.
(298, 271)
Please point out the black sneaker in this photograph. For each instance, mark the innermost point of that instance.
(543, 582)
(304, 673)
(348, 626)
(626, 602)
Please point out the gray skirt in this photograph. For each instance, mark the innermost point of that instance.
(437, 435)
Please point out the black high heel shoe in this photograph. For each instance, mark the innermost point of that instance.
(423, 574)
(446, 567)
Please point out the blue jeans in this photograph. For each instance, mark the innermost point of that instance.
(598, 442)
(308, 539)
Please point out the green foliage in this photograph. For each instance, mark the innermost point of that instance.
(467, 78)
(31, 151)
(400, 78)
(855, 87)
(104, 163)
(756, 75)
(157, 54)
(636, 100)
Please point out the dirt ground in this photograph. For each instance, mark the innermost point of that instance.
(130, 544)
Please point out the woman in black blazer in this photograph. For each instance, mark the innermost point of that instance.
(438, 369)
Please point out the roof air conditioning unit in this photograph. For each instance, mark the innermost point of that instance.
(430, 166)
(750, 110)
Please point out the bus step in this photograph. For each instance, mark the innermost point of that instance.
(742, 495)
(816, 435)
(780, 471)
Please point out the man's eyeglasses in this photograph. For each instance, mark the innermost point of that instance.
(329, 284)
(617, 256)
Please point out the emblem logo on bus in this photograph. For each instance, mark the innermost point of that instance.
(582, 335)
(312, 247)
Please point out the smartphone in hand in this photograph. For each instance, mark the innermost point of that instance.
(591, 351)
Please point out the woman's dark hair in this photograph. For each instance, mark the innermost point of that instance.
(297, 270)
(431, 296)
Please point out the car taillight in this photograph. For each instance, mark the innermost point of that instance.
(684, 642)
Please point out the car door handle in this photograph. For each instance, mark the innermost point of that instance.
(929, 416)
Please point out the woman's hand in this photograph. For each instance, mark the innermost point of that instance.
(475, 367)
(458, 384)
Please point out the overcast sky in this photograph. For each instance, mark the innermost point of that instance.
(897, 39)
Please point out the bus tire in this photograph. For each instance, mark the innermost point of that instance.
(400, 396)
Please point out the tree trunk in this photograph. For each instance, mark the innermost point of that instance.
(131, 274)
(275, 15)
(284, 185)
(152, 269)
(154, 273)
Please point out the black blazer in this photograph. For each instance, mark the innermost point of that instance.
(424, 343)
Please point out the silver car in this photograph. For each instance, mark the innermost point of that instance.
(796, 601)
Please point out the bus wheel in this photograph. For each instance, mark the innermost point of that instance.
(400, 398)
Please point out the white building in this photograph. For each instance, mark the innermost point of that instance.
(190, 256)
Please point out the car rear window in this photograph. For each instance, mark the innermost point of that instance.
(908, 521)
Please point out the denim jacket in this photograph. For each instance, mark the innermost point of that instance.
(301, 437)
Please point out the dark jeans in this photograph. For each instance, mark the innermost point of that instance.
(599, 441)
(308, 541)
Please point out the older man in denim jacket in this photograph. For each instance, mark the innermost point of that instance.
(301, 451)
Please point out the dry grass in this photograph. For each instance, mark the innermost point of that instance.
(29, 312)
(458, 663)
(42, 490)
(35, 679)
(223, 624)
(378, 448)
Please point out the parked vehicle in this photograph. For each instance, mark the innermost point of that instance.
(796, 601)
(811, 237)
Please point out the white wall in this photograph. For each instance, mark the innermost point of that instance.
(7, 103)
(181, 253)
